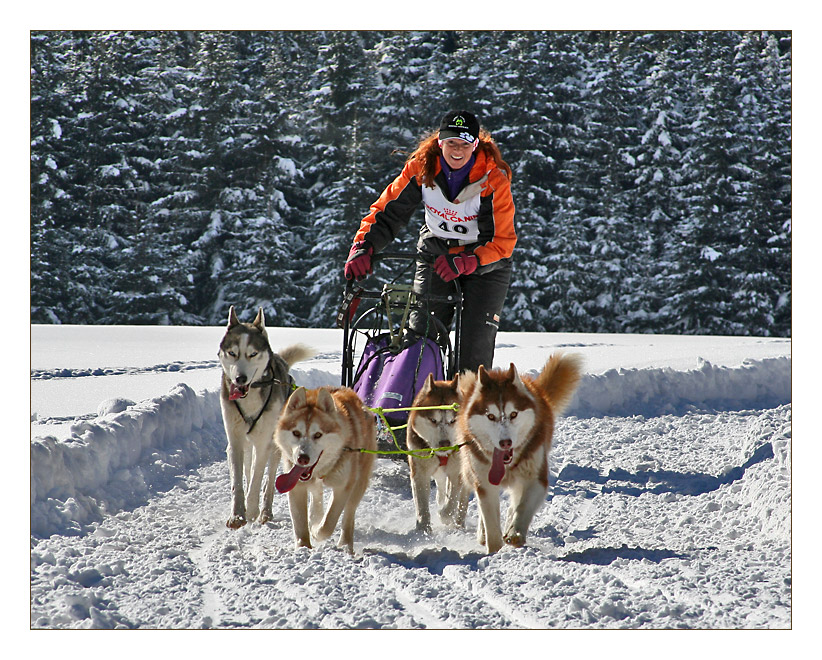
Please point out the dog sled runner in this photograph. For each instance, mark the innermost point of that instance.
(395, 360)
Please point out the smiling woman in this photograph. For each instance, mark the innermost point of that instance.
(464, 185)
(456, 151)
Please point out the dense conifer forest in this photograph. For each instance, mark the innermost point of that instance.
(176, 173)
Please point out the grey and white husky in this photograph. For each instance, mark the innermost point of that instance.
(255, 385)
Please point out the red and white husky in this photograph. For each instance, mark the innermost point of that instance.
(320, 435)
(507, 423)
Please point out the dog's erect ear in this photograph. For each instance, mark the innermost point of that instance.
(428, 385)
(259, 320)
(484, 378)
(455, 383)
(513, 376)
(232, 317)
(325, 401)
(296, 400)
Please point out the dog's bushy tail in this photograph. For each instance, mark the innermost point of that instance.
(296, 353)
(559, 379)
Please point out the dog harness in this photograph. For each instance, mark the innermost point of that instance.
(288, 388)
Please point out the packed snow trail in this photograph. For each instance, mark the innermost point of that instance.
(669, 505)
(674, 521)
(114, 459)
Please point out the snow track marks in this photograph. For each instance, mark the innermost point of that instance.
(664, 522)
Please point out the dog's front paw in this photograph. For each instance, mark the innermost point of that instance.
(235, 522)
(424, 528)
(450, 520)
(321, 533)
(493, 546)
(346, 547)
(265, 516)
(515, 539)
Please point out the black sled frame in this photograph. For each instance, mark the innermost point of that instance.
(388, 313)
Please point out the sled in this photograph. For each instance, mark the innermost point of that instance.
(394, 361)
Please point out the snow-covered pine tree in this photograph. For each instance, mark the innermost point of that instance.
(704, 273)
(610, 105)
(148, 287)
(226, 199)
(281, 140)
(55, 298)
(158, 148)
(568, 276)
(403, 110)
(340, 124)
(108, 137)
(658, 152)
(530, 136)
(569, 294)
(760, 287)
(775, 174)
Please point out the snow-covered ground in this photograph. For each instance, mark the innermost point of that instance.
(670, 502)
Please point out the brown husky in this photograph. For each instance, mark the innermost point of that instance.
(432, 429)
(508, 422)
(319, 434)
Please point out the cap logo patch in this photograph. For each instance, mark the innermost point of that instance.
(459, 124)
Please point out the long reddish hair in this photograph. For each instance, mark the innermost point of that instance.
(428, 151)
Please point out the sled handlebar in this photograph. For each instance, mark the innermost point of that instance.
(396, 256)
(362, 294)
(401, 256)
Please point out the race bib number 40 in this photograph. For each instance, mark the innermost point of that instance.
(453, 220)
(448, 222)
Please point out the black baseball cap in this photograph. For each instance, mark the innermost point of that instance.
(459, 124)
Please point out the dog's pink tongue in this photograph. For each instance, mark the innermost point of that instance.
(285, 482)
(497, 467)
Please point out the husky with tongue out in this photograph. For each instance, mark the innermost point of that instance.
(507, 422)
(255, 385)
(320, 434)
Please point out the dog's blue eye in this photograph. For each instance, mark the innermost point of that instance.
(232, 353)
(251, 355)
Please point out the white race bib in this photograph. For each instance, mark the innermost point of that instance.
(449, 220)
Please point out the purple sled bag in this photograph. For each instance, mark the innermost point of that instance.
(388, 380)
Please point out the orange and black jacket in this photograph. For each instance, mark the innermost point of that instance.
(487, 206)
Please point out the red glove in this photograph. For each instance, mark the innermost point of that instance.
(451, 266)
(358, 264)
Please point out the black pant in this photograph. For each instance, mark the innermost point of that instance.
(483, 297)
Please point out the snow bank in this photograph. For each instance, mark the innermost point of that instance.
(118, 459)
(762, 383)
